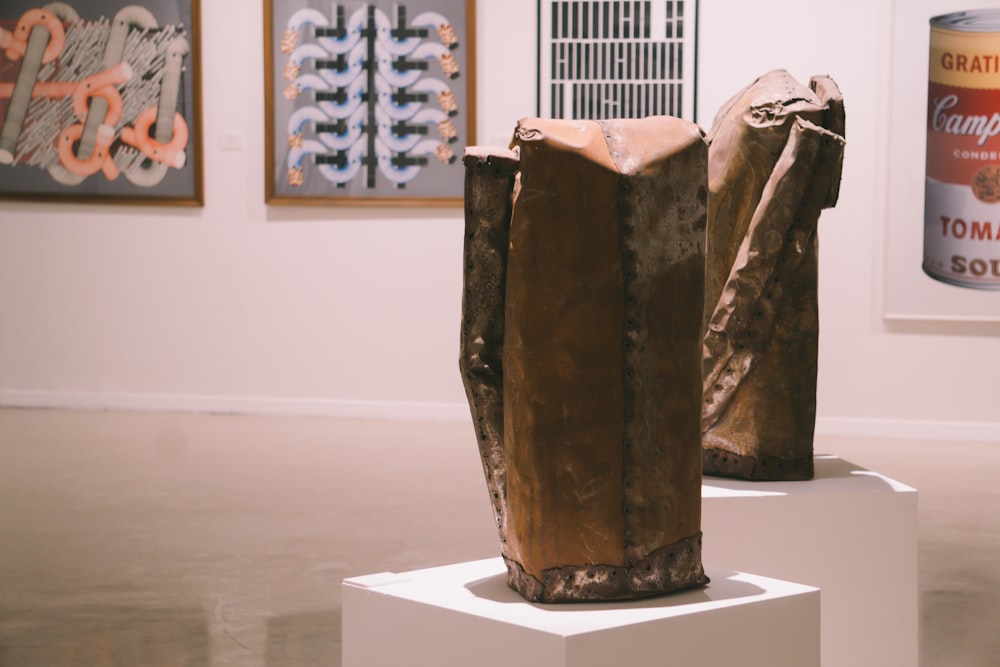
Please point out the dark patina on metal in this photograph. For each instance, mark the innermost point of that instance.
(670, 568)
(489, 183)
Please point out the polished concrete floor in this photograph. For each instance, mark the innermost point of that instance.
(136, 539)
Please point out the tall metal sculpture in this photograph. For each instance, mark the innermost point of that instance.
(623, 282)
(581, 349)
(775, 162)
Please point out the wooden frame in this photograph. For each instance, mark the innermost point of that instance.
(328, 141)
(100, 103)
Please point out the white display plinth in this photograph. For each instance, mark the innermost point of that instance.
(462, 615)
(850, 532)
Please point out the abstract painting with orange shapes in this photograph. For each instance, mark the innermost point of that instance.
(98, 101)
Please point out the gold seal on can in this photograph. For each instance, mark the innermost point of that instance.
(986, 184)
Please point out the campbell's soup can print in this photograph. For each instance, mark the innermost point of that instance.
(962, 194)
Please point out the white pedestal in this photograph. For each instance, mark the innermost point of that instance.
(850, 532)
(464, 614)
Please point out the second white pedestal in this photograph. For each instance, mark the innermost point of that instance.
(464, 614)
(850, 532)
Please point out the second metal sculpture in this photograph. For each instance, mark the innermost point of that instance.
(775, 162)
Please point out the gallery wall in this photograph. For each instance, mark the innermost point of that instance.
(244, 307)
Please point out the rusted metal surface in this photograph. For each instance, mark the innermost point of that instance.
(596, 468)
(670, 568)
(489, 185)
(775, 162)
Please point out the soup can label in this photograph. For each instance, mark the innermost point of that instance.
(962, 192)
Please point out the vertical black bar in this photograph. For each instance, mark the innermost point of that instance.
(628, 60)
(372, 125)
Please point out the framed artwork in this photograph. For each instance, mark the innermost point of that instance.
(617, 58)
(942, 235)
(369, 102)
(99, 102)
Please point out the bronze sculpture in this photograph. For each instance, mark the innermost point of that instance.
(581, 349)
(774, 163)
(639, 305)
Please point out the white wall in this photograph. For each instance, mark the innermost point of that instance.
(355, 311)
